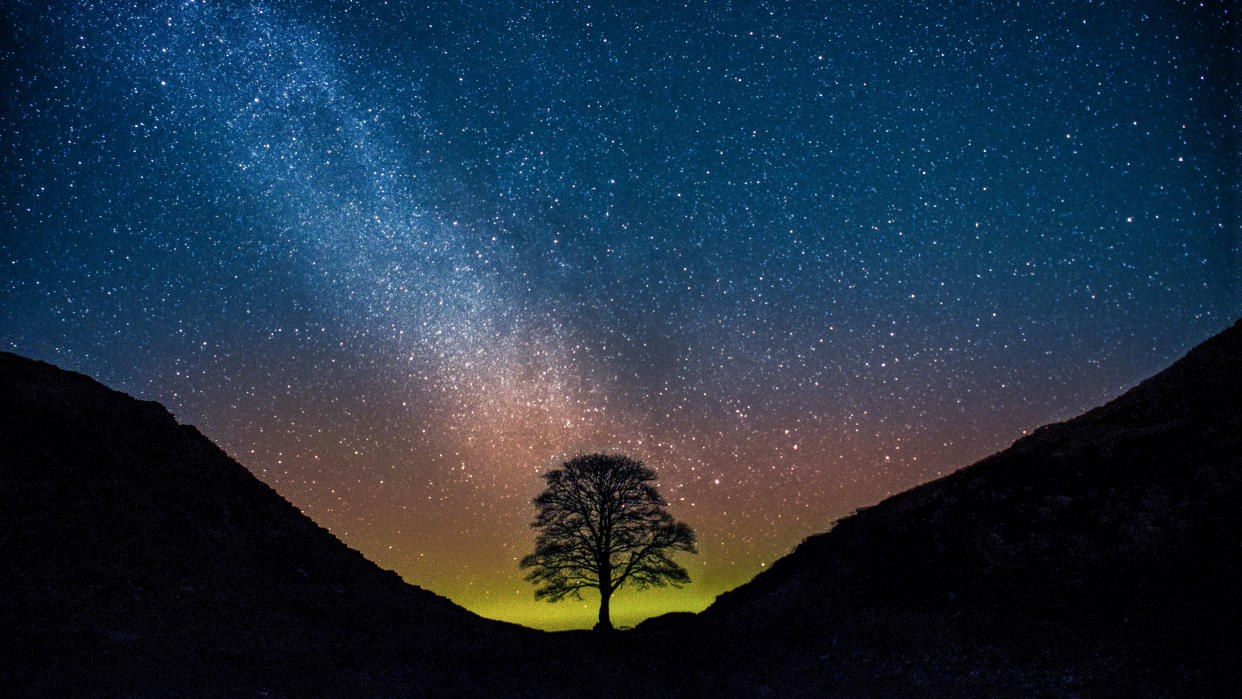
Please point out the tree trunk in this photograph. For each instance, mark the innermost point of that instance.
(605, 623)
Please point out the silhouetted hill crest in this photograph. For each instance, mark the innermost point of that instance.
(1131, 503)
(131, 537)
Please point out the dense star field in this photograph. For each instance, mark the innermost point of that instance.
(399, 259)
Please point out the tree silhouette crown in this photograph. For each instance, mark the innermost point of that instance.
(601, 525)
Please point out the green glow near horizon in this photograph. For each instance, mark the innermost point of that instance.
(628, 608)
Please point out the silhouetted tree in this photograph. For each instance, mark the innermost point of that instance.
(602, 525)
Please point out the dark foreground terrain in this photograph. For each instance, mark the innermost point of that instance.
(1100, 556)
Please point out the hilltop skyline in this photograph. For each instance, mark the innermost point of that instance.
(397, 261)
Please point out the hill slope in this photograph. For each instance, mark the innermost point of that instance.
(138, 557)
(1101, 555)
(1110, 543)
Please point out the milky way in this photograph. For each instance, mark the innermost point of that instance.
(400, 259)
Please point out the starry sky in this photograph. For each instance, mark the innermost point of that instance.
(400, 258)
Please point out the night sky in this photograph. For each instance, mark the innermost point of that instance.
(398, 259)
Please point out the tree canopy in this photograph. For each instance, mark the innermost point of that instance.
(601, 525)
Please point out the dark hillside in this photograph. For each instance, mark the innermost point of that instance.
(137, 557)
(1106, 549)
